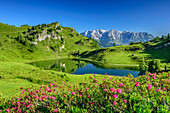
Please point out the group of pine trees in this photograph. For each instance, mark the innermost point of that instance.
(152, 66)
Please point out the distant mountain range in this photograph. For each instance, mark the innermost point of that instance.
(106, 38)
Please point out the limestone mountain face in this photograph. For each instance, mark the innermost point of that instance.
(107, 37)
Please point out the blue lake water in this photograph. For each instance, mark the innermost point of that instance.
(92, 69)
(85, 67)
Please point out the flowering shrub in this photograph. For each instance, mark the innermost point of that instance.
(147, 93)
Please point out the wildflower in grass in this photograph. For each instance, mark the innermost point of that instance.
(137, 84)
(80, 95)
(28, 89)
(87, 89)
(119, 90)
(158, 90)
(29, 102)
(91, 102)
(69, 93)
(19, 110)
(73, 93)
(56, 110)
(154, 77)
(64, 95)
(55, 85)
(18, 103)
(50, 90)
(13, 103)
(89, 76)
(42, 86)
(125, 101)
(149, 86)
(115, 96)
(154, 74)
(164, 88)
(88, 96)
(37, 91)
(112, 89)
(114, 103)
(47, 88)
(104, 90)
(150, 74)
(147, 78)
(0, 110)
(104, 79)
(61, 86)
(50, 84)
(110, 78)
(8, 110)
(94, 75)
(44, 93)
(121, 84)
(43, 97)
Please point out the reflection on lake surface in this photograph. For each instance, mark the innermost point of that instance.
(85, 67)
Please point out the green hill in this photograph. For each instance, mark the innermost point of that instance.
(157, 48)
(41, 42)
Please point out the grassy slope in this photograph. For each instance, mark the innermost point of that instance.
(125, 55)
(14, 73)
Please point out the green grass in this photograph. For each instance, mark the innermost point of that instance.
(14, 75)
(10, 87)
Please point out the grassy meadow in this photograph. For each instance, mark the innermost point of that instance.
(28, 88)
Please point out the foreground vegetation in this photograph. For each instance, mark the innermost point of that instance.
(147, 93)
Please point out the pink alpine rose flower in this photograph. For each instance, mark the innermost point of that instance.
(137, 84)
(8, 110)
(112, 89)
(125, 101)
(87, 89)
(115, 96)
(147, 78)
(114, 103)
(73, 93)
(119, 90)
(154, 77)
(158, 90)
(121, 84)
(56, 110)
(149, 86)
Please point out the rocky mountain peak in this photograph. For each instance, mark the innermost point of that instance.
(119, 37)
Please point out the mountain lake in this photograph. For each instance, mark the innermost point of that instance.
(75, 66)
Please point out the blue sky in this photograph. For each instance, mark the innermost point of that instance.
(152, 16)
